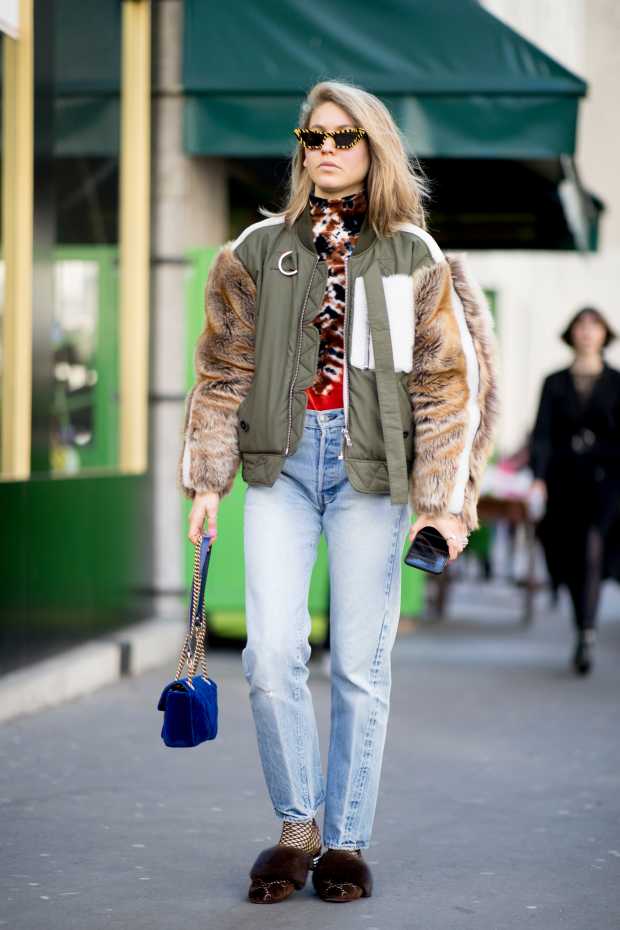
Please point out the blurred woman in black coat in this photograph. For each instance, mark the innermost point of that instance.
(575, 459)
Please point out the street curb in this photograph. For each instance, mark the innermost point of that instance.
(84, 669)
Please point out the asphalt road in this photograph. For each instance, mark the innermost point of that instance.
(500, 802)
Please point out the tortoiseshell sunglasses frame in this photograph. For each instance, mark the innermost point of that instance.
(359, 134)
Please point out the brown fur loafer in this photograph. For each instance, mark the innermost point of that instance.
(279, 871)
(342, 875)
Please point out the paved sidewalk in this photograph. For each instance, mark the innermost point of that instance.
(500, 804)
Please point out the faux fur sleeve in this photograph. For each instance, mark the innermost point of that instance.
(453, 388)
(224, 364)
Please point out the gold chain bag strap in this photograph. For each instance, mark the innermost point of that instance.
(193, 649)
(190, 704)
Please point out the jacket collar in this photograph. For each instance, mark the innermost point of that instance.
(303, 229)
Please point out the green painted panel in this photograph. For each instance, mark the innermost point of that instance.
(75, 557)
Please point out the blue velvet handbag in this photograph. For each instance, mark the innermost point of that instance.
(190, 704)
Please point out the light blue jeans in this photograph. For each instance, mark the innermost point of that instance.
(365, 535)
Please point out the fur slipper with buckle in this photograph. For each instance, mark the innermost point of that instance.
(342, 875)
(278, 872)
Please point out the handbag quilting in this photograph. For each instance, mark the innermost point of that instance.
(189, 704)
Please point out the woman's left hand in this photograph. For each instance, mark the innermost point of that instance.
(449, 525)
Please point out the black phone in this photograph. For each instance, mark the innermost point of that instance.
(429, 551)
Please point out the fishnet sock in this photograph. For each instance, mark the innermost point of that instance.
(302, 834)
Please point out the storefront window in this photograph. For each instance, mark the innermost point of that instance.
(84, 343)
(76, 198)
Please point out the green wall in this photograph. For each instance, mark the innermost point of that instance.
(75, 558)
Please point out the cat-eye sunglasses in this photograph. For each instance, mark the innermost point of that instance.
(343, 138)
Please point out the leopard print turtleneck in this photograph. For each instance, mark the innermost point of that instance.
(336, 226)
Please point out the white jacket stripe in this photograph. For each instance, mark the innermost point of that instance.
(186, 465)
(433, 247)
(457, 497)
(270, 221)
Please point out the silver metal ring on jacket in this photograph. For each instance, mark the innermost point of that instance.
(282, 257)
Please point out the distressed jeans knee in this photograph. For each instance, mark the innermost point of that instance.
(269, 670)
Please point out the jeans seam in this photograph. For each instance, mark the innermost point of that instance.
(362, 775)
(320, 470)
(303, 770)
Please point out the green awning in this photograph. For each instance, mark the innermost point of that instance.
(459, 82)
(83, 77)
(87, 72)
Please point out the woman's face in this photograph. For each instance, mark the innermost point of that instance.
(335, 172)
(588, 333)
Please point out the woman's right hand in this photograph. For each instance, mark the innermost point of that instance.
(538, 486)
(204, 505)
(536, 499)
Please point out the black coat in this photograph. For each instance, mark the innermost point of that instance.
(575, 448)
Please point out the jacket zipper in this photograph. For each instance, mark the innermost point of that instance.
(299, 338)
(345, 385)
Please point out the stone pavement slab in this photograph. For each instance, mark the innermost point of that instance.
(500, 802)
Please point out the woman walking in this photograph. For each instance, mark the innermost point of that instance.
(575, 460)
(349, 366)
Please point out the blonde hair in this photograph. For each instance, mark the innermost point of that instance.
(395, 184)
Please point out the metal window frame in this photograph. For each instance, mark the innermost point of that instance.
(134, 241)
(134, 236)
(17, 222)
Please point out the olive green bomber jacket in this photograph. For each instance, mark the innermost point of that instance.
(420, 375)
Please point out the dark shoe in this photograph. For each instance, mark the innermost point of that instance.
(584, 652)
(280, 870)
(342, 875)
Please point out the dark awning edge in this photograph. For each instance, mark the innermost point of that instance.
(434, 127)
